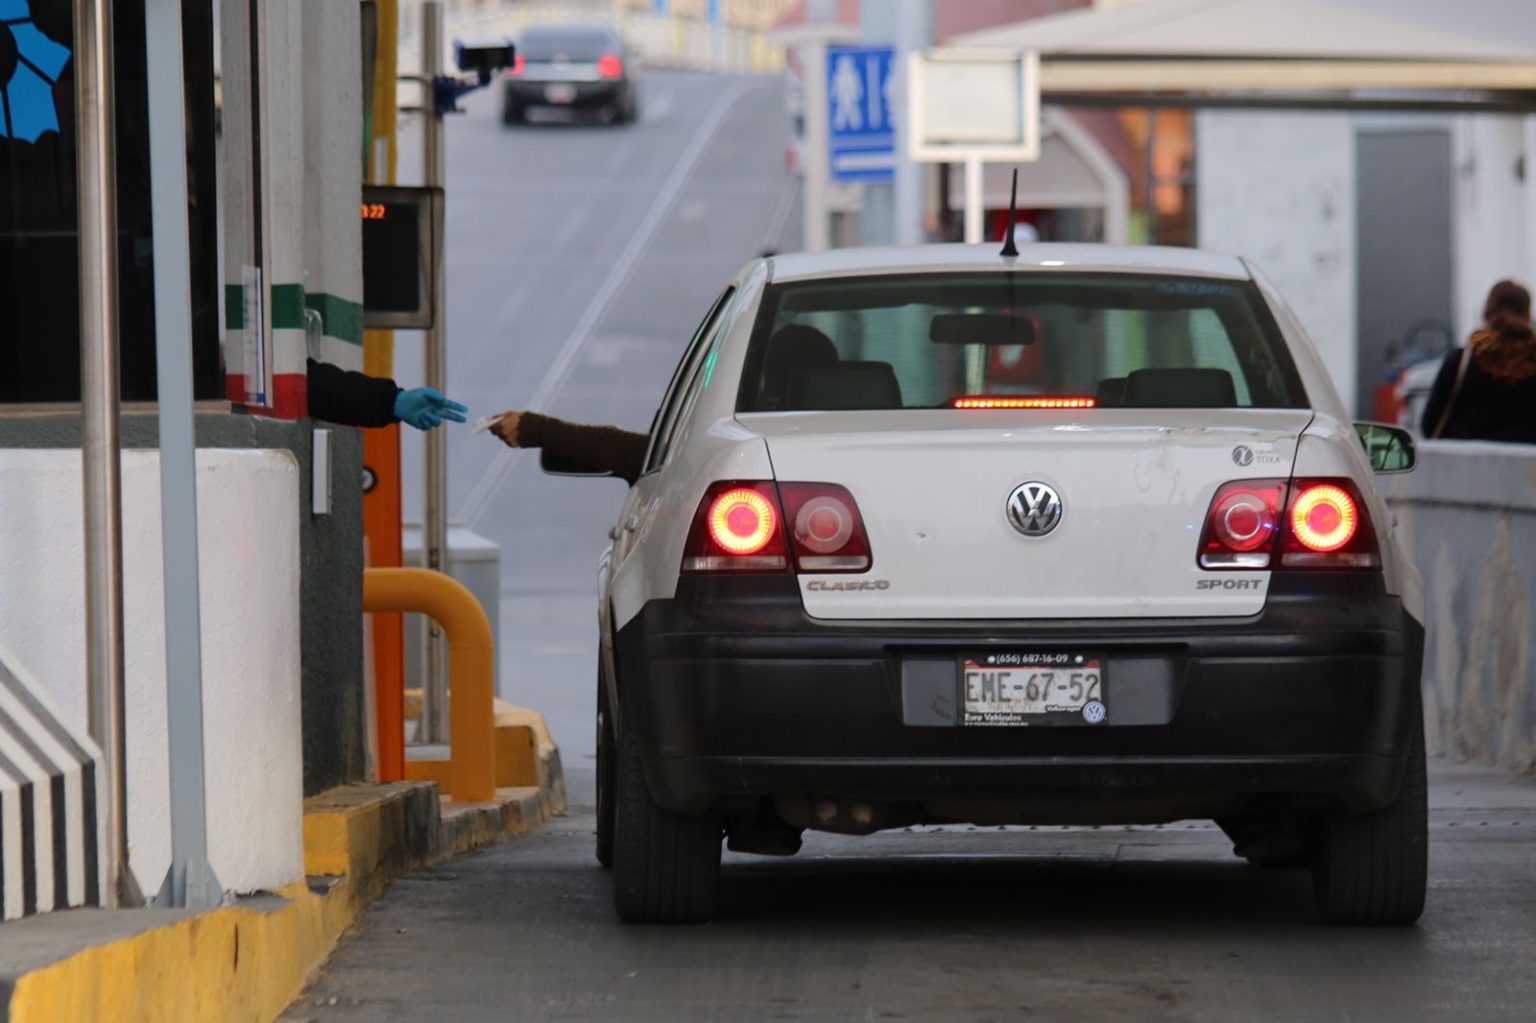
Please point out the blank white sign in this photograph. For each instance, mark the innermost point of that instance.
(970, 102)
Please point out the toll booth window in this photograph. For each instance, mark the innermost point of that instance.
(39, 213)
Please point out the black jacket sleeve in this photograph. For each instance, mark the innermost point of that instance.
(1440, 393)
(342, 396)
(607, 448)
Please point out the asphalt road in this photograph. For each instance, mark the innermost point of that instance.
(580, 260)
(958, 924)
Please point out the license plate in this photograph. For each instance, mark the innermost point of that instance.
(560, 93)
(1032, 688)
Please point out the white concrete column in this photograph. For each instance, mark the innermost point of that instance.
(1493, 229)
(333, 161)
(1280, 189)
(280, 86)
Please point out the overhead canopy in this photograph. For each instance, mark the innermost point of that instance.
(1421, 53)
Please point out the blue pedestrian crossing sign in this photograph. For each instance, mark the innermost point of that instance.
(860, 113)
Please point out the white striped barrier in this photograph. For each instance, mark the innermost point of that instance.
(51, 843)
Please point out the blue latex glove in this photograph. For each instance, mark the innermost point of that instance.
(425, 408)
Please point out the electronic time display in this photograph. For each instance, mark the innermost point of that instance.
(399, 226)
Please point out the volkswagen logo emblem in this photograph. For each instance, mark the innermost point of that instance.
(1034, 508)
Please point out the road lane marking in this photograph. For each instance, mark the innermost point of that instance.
(574, 222)
(780, 215)
(506, 459)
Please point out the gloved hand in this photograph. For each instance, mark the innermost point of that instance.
(425, 408)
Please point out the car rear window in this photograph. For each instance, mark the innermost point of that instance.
(570, 43)
(948, 340)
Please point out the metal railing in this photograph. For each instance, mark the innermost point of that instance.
(471, 660)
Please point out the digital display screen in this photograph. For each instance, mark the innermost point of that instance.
(392, 255)
(398, 232)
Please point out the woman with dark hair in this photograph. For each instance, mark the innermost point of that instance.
(1487, 390)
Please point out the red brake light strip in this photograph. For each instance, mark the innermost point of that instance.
(1064, 401)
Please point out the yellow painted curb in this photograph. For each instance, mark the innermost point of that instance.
(249, 961)
(235, 963)
(526, 755)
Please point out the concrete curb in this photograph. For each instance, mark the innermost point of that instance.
(249, 961)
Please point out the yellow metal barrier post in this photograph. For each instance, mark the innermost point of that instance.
(471, 660)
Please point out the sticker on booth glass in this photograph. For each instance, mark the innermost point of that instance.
(30, 65)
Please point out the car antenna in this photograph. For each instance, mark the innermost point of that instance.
(1009, 248)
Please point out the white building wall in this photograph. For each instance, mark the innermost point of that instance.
(1494, 184)
(1280, 189)
(248, 537)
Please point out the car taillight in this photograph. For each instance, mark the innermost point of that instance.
(826, 532)
(738, 528)
(742, 526)
(1308, 523)
(742, 521)
(1240, 529)
(517, 66)
(609, 66)
(1327, 527)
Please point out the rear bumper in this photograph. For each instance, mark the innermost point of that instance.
(736, 694)
(589, 95)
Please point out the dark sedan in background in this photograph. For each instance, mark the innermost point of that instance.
(580, 70)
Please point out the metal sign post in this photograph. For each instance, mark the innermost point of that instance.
(190, 880)
(96, 166)
(974, 107)
(435, 523)
(815, 232)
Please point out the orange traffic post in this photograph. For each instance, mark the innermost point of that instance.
(471, 667)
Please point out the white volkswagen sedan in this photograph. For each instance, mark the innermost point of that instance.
(1081, 536)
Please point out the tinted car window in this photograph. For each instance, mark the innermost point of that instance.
(923, 341)
(571, 43)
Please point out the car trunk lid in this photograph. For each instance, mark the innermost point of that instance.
(933, 488)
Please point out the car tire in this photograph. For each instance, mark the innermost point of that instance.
(1372, 869)
(511, 114)
(666, 866)
(605, 777)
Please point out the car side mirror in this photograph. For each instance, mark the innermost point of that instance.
(556, 465)
(1389, 448)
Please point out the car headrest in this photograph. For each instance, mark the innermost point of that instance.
(1180, 388)
(793, 350)
(1111, 391)
(848, 385)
